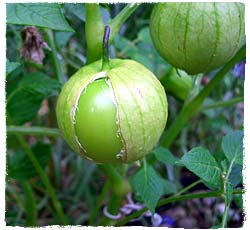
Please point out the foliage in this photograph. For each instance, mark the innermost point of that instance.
(48, 184)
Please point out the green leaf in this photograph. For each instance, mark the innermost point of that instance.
(19, 165)
(40, 83)
(200, 161)
(164, 155)
(25, 101)
(47, 15)
(168, 187)
(77, 9)
(232, 145)
(11, 66)
(235, 176)
(147, 184)
(23, 106)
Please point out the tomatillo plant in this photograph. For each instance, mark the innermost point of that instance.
(197, 37)
(112, 111)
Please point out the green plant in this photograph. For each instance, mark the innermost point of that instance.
(197, 37)
(198, 159)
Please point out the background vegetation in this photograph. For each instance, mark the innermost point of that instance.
(47, 183)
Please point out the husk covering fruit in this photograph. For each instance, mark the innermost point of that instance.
(136, 112)
(197, 37)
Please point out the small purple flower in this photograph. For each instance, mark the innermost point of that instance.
(167, 221)
(239, 69)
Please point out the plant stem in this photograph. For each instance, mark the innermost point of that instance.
(33, 130)
(116, 23)
(105, 53)
(114, 203)
(31, 210)
(95, 211)
(223, 103)
(94, 30)
(43, 176)
(57, 65)
(193, 106)
(188, 187)
(174, 199)
(228, 197)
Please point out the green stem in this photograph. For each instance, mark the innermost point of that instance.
(116, 23)
(225, 215)
(116, 197)
(188, 187)
(227, 198)
(105, 53)
(33, 130)
(174, 199)
(223, 103)
(95, 211)
(112, 174)
(94, 29)
(57, 65)
(31, 210)
(193, 107)
(43, 176)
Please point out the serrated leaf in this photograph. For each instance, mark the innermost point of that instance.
(200, 161)
(232, 145)
(148, 185)
(25, 101)
(47, 15)
(164, 155)
(11, 66)
(19, 165)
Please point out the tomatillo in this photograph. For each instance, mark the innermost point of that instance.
(116, 115)
(197, 37)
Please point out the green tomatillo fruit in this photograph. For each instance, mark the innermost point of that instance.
(115, 115)
(197, 37)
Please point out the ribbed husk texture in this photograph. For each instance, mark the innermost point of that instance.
(197, 37)
(140, 100)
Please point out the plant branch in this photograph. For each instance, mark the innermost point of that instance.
(94, 26)
(57, 65)
(193, 106)
(116, 23)
(95, 211)
(33, 130)
(174, 198)
(223, 103)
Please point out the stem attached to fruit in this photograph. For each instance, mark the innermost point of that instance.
(105, 53)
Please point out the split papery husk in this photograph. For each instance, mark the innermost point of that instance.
(140, 101)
